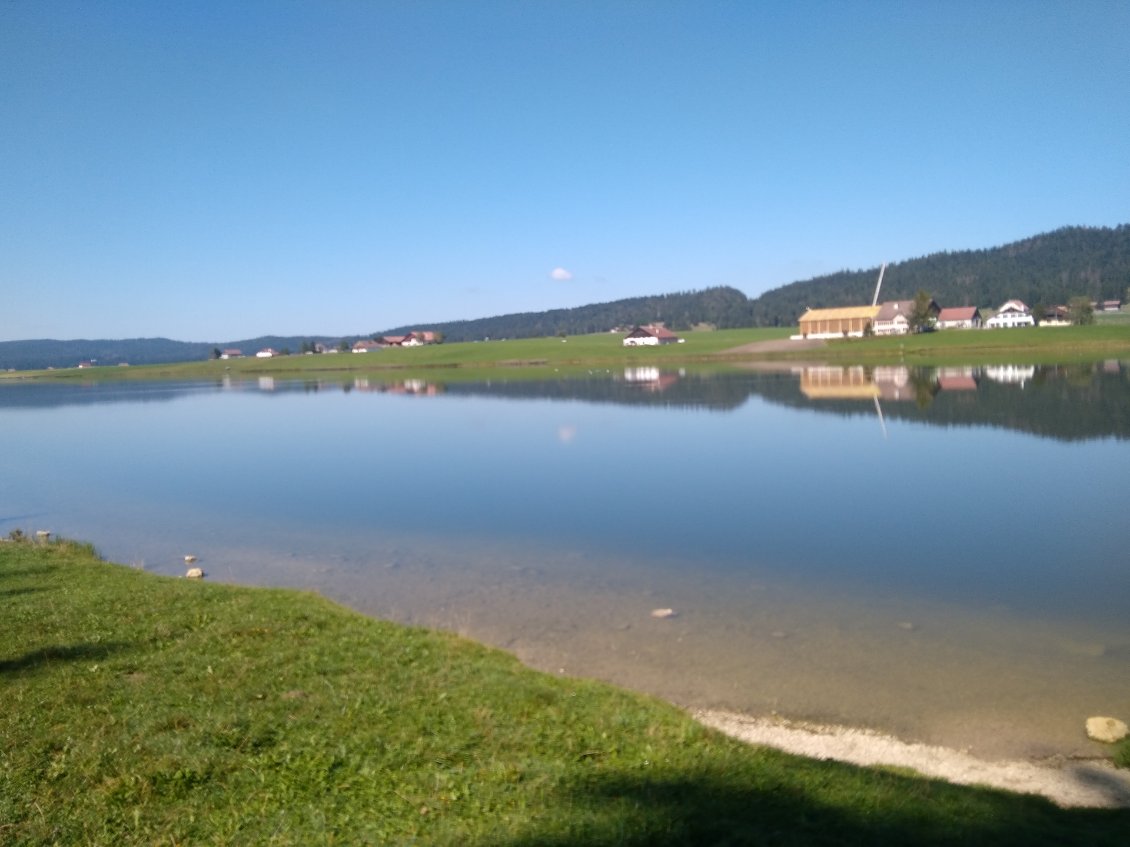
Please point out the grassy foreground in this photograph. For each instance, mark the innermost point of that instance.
(139, 709)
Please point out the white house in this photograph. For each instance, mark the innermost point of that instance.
(651, 336)
(266, 353)
(963, 317)
(893, 317)
(1011, 314)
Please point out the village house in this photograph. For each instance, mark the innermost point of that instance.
(1055, 316)
(893, 317)
(960, 317)
(267, 353)
(651, 336)
(853, 321)
(1011, 314)
(231, 354)
(365, 345)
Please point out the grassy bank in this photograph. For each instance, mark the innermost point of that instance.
(146, 710)
(1029, 345)
(577, 355)
(470, 360)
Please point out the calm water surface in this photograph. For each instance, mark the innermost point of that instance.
(937, 554)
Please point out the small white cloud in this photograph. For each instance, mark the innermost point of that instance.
(560, 274)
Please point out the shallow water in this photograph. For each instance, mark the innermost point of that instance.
(945, 563)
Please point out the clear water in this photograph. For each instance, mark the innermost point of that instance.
(942, 555)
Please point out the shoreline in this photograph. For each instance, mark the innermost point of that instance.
(1069, 783)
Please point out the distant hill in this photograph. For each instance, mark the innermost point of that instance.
(722, 307)
(1045, 269)
(49, 353)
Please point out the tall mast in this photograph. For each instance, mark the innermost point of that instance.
(879, 284)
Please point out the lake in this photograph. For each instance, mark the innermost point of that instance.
(939, 554)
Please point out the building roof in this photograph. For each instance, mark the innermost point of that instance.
(894, 308)
(958, 313)
(1013, 305)
(842, 313)
(659, 332)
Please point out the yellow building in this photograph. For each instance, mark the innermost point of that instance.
(837, 323)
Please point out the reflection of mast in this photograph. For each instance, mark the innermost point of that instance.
(879, 284)
(879, 412)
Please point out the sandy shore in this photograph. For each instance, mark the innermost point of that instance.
(1067, 783)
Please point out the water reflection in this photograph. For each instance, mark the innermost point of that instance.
(922, 582)
(1068, 402)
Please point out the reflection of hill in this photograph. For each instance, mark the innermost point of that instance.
(633, 387)
(1068, 403)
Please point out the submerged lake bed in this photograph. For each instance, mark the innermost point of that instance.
(936, 554)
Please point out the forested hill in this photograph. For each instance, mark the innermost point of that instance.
(723, 307)
(1046, 269)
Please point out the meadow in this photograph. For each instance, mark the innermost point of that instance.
(703, 350)
(141, 709)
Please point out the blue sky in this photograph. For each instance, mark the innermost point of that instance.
(217, 171)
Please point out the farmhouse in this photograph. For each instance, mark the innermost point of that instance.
(961, 317)
(231, 354)
(267, 353)
(1011, 314)
(837, 323)
(365, 345)
(651, 336)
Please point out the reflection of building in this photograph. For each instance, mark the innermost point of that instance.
(417, 387)
(893, 382)
(957, 379)
(651, 379)
(957, 383)
(826, 382)
(1011, 374)
(837, 323)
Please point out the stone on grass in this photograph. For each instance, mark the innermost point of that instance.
(1108, 730)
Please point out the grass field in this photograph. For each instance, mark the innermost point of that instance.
(139, 709)
(548, 357)
(1029, 345)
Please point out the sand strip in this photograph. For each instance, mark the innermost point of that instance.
(1089, 784)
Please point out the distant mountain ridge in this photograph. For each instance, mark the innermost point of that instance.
(1045, 269)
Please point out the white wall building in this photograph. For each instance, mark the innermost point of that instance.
(1012, 314)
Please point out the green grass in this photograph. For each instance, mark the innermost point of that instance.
(1030, 345)
(551, 357)
(146, 710)
(1119, 318)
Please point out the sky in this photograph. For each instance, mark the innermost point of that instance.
(214, 171)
